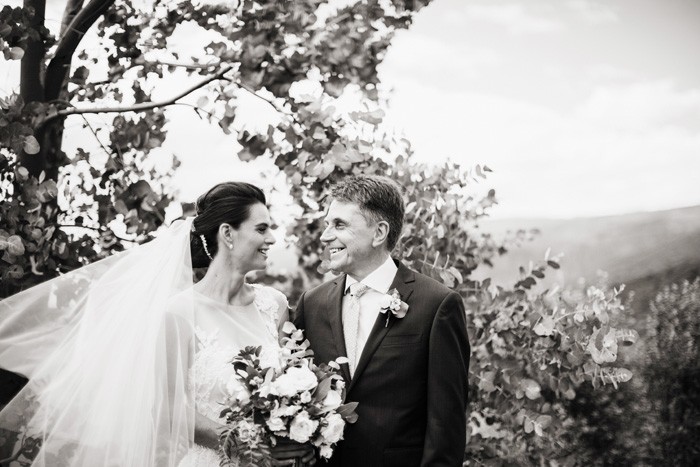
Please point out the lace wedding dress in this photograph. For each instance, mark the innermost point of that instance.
(221, 330)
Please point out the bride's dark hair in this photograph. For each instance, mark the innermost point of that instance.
(228, 203)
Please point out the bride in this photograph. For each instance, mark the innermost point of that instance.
(127, 360)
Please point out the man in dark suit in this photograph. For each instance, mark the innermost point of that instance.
(408, 372)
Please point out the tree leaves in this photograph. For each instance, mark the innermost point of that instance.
(544, 327)
(530, 388)
(31, 145)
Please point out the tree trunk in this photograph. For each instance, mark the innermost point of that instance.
(31, 82)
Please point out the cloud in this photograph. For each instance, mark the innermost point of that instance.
(642, 106)
(513, 17)
(593, 11)
(561, 164)
(451, 59)
(611, 73)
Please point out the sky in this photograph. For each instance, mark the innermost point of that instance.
(580, 107)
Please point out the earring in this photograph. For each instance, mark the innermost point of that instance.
(230, 246)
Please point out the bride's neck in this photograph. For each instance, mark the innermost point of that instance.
(223, 283)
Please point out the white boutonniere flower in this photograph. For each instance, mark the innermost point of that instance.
(392, 304)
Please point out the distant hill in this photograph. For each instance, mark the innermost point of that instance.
(633, 248)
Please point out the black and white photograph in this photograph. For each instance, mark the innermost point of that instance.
(349, 233)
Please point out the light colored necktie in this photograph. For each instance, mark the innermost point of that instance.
(351, 321)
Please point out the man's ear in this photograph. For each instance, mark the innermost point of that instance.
(381, 233)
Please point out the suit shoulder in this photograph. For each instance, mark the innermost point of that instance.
(430, 286)
(321, 289)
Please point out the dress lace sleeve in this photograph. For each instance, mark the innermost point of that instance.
(274, 305)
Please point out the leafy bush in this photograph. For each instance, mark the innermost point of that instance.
(673, 373)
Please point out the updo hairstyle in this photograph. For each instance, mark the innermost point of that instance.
(228, 203)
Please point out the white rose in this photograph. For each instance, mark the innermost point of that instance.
(385, 301)
(326, 451)
(276, 424)
(333, 431)
(295, 380)
(284, 411)
(302, 428)
(332, 400)
(243, 396)
(237, 390)
(305, 397)
(266, 389)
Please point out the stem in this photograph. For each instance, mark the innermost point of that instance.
(140, 107)
(95, 134)
(189, 66)
(96, 229)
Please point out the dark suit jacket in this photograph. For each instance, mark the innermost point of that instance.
(410, 381)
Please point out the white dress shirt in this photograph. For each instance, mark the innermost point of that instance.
(378, 282)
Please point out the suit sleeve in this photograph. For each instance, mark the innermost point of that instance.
(298, 320)
(448, 365)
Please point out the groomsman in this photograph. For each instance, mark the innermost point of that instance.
(404, 334)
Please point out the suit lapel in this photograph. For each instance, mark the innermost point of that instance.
(403, 282)
(335, 316)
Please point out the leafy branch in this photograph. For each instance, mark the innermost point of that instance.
(143, 106)
(97, 229)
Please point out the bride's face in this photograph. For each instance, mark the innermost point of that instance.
(252, 240)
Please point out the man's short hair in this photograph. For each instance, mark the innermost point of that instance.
(379, 198)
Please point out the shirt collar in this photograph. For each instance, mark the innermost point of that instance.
(380, 279)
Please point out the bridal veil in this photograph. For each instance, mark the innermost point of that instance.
(106, 349)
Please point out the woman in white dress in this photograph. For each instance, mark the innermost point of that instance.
(127, 361)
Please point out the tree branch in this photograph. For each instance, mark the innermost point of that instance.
(272, 103)
(99, 230)
(31, 88)
(59, 67)
(188, 66)
(73, 7)
(96, 137)
(139, 107)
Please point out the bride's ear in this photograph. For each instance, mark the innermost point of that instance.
(381, 233)
(227, 235)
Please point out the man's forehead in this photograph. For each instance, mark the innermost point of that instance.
(341, 209)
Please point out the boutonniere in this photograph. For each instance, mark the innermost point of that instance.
(391, 302)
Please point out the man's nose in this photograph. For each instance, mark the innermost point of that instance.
(327, 235)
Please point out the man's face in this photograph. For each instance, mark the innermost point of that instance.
(348, 237)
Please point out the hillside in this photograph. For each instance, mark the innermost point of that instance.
(631, 248)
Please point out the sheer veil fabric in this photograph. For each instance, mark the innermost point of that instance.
(107, 349)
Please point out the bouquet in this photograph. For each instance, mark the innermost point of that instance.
(294, 399)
